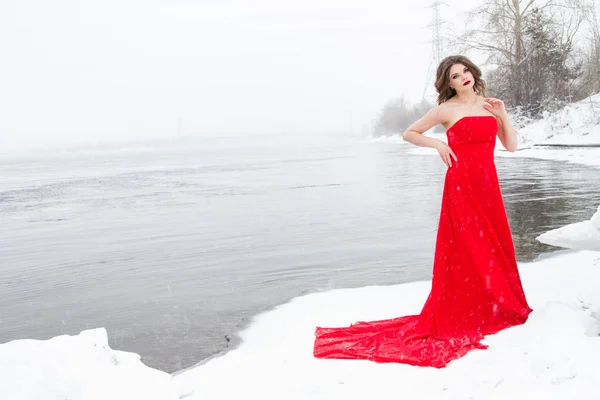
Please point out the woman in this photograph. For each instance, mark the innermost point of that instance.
(476, 289)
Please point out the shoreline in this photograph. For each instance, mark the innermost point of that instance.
(272, 354)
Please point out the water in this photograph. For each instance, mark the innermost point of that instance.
(174, 248)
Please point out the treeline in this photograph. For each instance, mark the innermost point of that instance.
(540, 54)
(397, 115)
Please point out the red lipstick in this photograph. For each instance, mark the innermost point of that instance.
(466, 83)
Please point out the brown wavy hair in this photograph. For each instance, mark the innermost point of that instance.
(442, 80)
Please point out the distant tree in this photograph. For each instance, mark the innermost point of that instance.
(549, 70)
(397, 115)
(393, 118)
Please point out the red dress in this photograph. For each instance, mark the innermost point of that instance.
(476, 289)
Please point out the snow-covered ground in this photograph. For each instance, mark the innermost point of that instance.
(80, 367)
(571, 134)
(576, 124)
(552, 356)
(581, 235)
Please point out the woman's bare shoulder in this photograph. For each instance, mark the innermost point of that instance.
(446, 110)
(450, 105)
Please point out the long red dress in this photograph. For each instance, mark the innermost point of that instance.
(476, 289)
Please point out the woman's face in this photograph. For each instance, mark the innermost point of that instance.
(461, 78)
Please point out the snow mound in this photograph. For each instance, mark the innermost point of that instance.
(81, 367)
(583, 235)
(576, 124)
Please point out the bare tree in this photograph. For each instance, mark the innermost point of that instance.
(505, 31)
(591, 81)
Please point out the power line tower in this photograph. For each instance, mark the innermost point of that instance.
(437, 42)
(436, 30)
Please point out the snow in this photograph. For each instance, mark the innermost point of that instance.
(558, 136)
(585, 156)
(580, 235)
(577, 123)
(552, 356)
(79, 367)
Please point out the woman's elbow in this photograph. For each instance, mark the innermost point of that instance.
(512, 147)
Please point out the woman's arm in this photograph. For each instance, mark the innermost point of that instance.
(506, 132)
(414, 135)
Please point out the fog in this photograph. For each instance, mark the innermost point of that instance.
(86, 72)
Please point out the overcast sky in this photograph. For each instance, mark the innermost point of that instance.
(79, 71)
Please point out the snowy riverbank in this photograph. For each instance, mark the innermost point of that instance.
(552, 356)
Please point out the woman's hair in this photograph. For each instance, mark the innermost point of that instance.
(442, 80)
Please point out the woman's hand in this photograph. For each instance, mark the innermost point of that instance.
(446, 153)
(495, 106)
